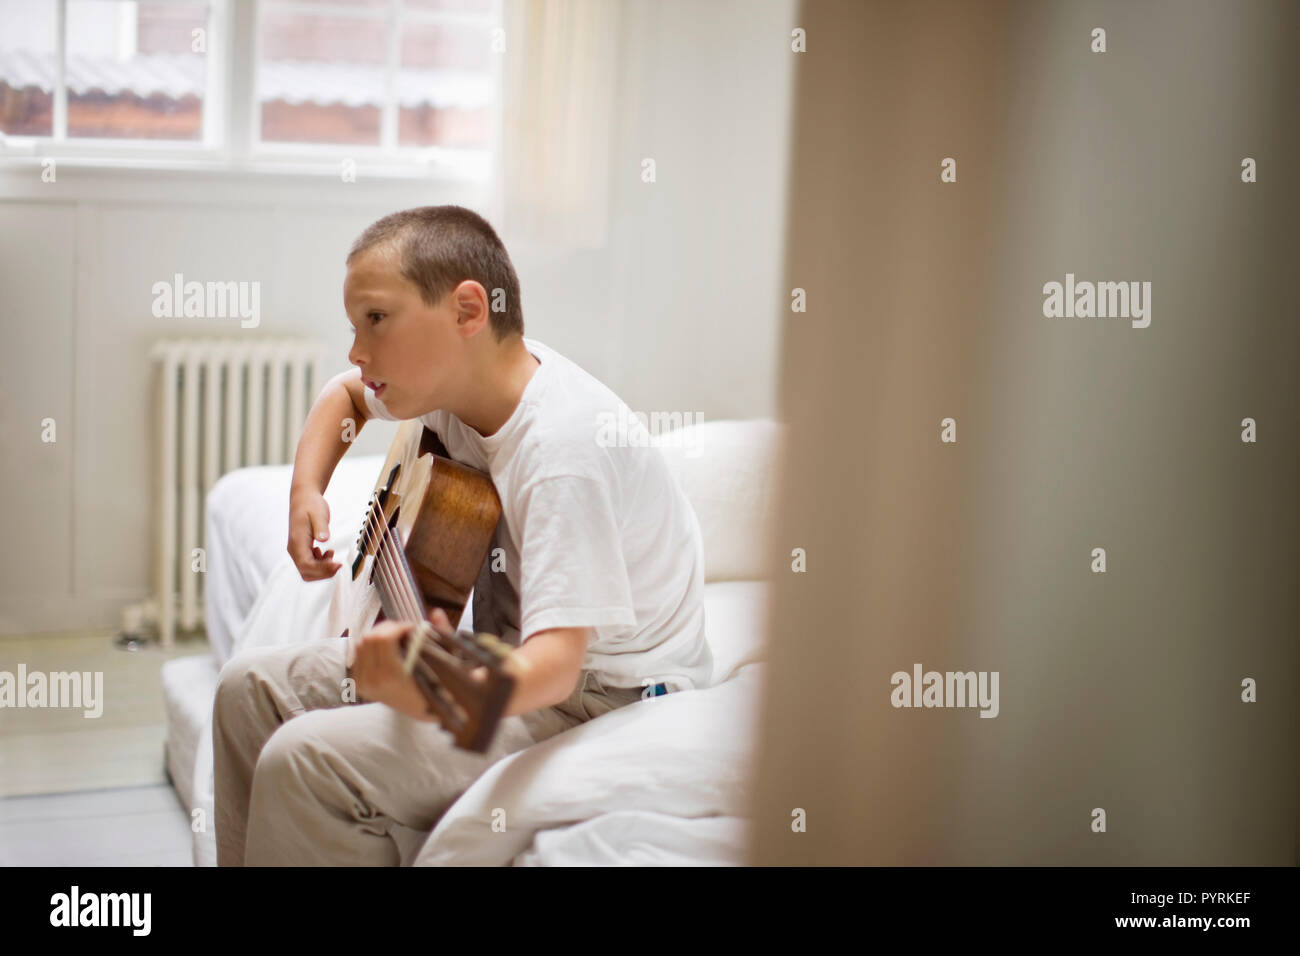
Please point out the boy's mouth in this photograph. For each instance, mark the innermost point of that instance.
(377, 386)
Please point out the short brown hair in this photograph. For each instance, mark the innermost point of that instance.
(438, 247)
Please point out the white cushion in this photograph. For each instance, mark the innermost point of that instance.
(728, 471)
(735, 621)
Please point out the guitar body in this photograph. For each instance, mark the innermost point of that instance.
(427, 532)
(445, 514)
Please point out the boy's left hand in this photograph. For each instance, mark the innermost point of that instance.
(378, 673)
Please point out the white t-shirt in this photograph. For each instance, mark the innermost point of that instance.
(594, 532)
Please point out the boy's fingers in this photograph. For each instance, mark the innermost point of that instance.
(317, 565)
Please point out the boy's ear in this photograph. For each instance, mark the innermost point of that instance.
(470, 301)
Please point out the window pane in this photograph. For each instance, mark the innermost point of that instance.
(456, 6)
(27, 65)
(445, 85)
(458, 46)
(321, 79)
(136, 70)
(363, 4)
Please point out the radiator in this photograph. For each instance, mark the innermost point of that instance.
(221, 404)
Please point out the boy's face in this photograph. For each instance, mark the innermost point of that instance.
(411, 350)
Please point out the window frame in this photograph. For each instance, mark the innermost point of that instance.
(231, 141)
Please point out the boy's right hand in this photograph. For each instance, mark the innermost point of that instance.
(309, 523)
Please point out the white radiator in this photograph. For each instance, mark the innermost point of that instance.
(222, 404)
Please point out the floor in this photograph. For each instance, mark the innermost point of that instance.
(77, 790)
(125, 826)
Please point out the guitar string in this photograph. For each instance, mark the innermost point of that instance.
(389, 569)
(385, 561)
(403, 584)
(380, 567)
(388, 547)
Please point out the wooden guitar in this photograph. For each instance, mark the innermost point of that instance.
(424, 539)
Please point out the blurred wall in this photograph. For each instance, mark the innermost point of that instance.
(1118, 690)
(678, 311)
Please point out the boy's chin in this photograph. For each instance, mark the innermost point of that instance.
(404, 407)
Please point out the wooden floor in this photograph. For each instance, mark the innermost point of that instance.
(127, 826)
(83, 791)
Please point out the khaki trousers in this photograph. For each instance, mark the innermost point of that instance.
(303, 779)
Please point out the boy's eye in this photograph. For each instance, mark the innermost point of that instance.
(376, 316)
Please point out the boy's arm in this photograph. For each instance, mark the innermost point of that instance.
(321, 444)
(550, 663)
(546, 668)
(320, 447)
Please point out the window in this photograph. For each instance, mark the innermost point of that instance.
(411, 83)
(130, 70)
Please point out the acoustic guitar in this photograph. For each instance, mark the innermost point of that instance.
(425, 537)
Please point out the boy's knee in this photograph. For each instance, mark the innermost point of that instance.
(278, 754)
(239, 677)
(234, 681)
(295, 745)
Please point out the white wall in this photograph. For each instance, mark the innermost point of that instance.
(680, 310)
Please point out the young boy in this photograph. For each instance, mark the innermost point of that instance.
(603, 576)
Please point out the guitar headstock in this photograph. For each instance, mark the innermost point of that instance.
(466, 679)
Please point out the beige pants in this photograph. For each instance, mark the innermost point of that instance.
(303, 779)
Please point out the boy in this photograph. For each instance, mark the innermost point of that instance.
(603, 577)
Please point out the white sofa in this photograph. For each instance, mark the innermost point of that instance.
(662, 781)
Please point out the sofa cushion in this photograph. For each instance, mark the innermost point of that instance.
(728, 471)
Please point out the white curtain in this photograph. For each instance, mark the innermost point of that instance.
(561, 71)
